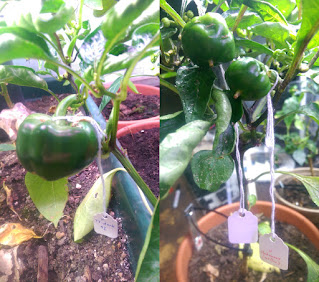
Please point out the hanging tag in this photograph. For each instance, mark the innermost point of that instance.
(242, 229)
(106, 225)
(274, 251)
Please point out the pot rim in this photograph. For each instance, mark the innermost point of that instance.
(285, 214)
(135, 127)
(293, 206)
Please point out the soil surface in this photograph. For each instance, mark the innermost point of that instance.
(136, 106)
(228, 264)
(144, 155)
(98, 258)
(296, 193)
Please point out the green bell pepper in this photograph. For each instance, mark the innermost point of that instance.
(55, 149)
(207, 39)
(248, 79)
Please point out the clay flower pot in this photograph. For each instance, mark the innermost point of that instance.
(310, 213)
(283, 214)
(143, 89)
(138, 126)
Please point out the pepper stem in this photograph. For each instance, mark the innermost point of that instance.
(237, 94)
(62, 108)
(5, 94)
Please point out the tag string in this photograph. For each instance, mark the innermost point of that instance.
(270, 143)
(240, 172)
(99, 134)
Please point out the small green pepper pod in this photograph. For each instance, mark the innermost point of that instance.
(54, 150)
(248, 79)
(207, 40)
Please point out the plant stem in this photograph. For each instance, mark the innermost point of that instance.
(313, 60)
(115, 118)
(242, 11)
(169, 10)
(311, 166)
(5, 94)
(169, 85)
(221, 2)
(133, 173)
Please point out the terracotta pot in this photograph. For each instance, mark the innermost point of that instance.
(138, 126)
(283, 214)
(311, 213)
(144, 89)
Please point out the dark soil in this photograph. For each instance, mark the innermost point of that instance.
(144, 155)
(228, 263)
(296, 193)
(136, 106)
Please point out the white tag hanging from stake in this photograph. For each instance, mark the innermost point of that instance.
(242, 224)
(272, 249)
(105, 224)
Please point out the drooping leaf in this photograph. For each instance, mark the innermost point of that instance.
(176, 151)
(225, 143)
(170, 123)
(92, 204)
(18, 42)
(22, 76)
(148, 262)
(210, 171)
(266, 11)
(309, 24)
(311, 183)
(12, 234)
(118, 19)
(276, 31)
(194, 85)
(49, 197)
(7, 147)
(312, 266)
(257, 47)
(250, 18)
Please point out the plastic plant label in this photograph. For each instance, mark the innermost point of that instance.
(242, 228)
(274, 251)
(106, 225)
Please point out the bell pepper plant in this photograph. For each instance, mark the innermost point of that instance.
(220, 65)
(78, 51)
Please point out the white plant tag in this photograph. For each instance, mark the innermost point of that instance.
(106, 225)
(274, 251)
(242, 229)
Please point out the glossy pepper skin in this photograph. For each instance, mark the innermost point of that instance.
(55, 149)
(207, 38)
(247, 77)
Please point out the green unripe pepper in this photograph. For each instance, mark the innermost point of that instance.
(166, 22)
(207, 39)
(247, 78)
(55, 149)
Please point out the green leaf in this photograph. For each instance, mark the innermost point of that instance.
(123, 61)
(17, 43)
(148, 267)
(92, 204)
(276, 31)
(106, 5)
(119, 18)
(132, 86)
(56, 21)
(115, 86)
(224, 6)
(252, 199)
(309, 24)
(176, 151)
(143, 35)
(51, 6)
(168, 32)
(284, 6)
(224, 143)
(7, 147)
(49, 197)
(310, 182)
(170, 123)
(312, 267)
(22, 76)
(210, 171)
(264, 228)
(95, 4)
(194, 85)
(50, 66)
(250, 18)
(266, 11)
(246, 43)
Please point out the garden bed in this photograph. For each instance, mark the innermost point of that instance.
(228, 263)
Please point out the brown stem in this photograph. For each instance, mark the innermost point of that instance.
(311, 166)
(6, 96)
(239, 17)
